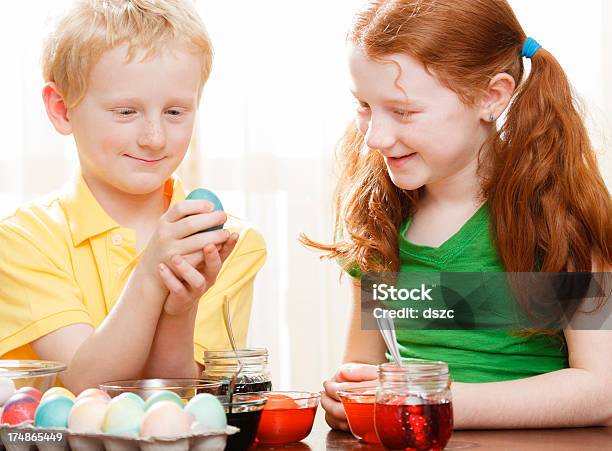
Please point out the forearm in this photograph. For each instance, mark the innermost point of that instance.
(362, 346)
(119, 347)
(566, 398)
(172, 351)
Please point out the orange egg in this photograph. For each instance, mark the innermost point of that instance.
(277, 401)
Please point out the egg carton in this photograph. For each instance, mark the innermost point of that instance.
(15, 438)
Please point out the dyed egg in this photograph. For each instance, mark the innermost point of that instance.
(207, 410)
(53, 412)
(165, 419)
(87, 415)
(93, 393)
(123, 415)
(19, 408)
(58, 391)
(163, 395)
(277, 401)
(7, 389)
(33, 392)
(204, 194)
(132, 396)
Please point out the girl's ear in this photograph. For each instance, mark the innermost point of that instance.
(56, 108)
(497, 97)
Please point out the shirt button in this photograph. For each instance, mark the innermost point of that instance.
(116, 239)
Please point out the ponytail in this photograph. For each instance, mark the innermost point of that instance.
(551, 209)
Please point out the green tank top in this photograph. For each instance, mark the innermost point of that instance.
(474, 355)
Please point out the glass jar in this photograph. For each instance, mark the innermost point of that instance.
(222, 364)
(413, 407)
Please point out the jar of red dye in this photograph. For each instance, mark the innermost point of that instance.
(413, 408)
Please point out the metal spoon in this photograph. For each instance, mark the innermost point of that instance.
(230, 334)
(387, 330)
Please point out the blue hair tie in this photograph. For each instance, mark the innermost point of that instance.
(530, 48)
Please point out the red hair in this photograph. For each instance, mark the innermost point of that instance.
(550, 207)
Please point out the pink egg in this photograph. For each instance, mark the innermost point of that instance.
(33, 392)
(87, 415)
(165, 419)
(19, 408)
(93, 393)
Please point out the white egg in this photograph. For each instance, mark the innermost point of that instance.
(87, 415)
(165, 419)
(7, 389)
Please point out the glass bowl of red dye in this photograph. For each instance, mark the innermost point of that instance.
(358, 405)
(245, 413)
(287, 417)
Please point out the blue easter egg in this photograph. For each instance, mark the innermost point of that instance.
(53, 412)
(132, 396)
(207, 410)
(205, 194)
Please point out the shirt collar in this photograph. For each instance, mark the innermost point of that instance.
(87, 218)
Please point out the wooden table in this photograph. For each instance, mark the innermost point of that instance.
(580, 439)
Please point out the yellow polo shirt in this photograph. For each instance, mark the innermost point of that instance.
(64, 261)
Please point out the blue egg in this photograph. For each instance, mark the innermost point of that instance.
(205, 194)
(132, 396)
(207, 410)
(53, 412)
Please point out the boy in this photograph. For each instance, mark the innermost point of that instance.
(107, 274)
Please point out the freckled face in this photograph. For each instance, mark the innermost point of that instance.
(423, 130)
(135, 122)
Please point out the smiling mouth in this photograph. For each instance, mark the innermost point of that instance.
(144, 160)
(401, 158)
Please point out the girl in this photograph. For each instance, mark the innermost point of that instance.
(429, 183)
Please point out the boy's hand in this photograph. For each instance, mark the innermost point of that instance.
(195, 259)
(185, 283)
(349, 375)
(179, 232)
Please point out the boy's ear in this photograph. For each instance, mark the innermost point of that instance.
(56, 108)
(497, 97)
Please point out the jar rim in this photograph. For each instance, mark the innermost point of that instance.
(240, 353)
(416, 367)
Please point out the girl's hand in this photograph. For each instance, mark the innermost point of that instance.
(186, 283)
(349, 375)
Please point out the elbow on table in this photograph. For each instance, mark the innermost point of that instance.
(605, 418)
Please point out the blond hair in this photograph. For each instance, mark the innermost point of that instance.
(90, 27)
